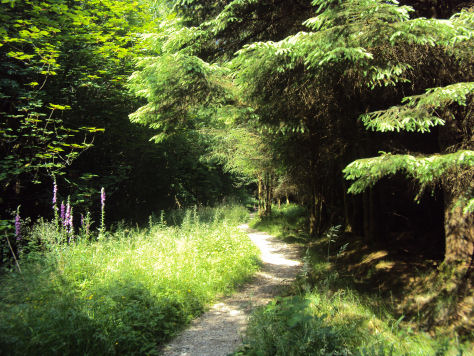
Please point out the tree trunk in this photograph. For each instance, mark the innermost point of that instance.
(260, 196)
(369, 215)
(268, 194)
(320, 216)
(459, 231)
(346, 201)
(313, 215)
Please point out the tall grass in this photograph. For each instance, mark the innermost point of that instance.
(343, 323)
(125, 294)
(288, 221)
(328, 316)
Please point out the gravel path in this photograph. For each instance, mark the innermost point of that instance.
(218, 332)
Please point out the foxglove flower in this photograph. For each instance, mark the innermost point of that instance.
(102, 211)
(63, 212)
(102, 197)
(17, 226)
(67, 217)
(70, 222)
(55, 191)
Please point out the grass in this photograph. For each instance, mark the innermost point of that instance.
(126, 294)
(287, 222)
(328, 315)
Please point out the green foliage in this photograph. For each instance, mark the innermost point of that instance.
(319, 323)
(328, 315)
(42, 45)
(291, 329)
(300, 89)
(166, 82)
(95, 46)
(287, 222)
(419, 112)
(241, 150)
(469, 207)
(425, 170)
(126, 294)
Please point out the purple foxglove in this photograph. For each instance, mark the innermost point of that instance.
(55, 191)
(67, 217)
(102, 197)
(63, 212)
(17, 226)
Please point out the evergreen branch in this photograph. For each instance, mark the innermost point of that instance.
(424, 169)
(418, 114)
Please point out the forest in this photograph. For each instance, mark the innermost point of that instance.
(344, 126)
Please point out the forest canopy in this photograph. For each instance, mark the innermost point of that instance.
(325, 89)
(335, 104)
(137, 135)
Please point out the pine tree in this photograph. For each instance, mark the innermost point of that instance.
(312, 89)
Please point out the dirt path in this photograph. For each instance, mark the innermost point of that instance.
(218, 332)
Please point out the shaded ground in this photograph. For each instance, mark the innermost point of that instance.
(218, 331)
(422, 289)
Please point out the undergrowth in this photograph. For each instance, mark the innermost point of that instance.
(287, 222)
(128, 292)
(327, 315)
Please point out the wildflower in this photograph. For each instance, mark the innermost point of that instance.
(102, 215)
(67, 215)
(63, 212)
(102, 197)
(55, 191)
(85, 223)
(70, 223)
(17, 225)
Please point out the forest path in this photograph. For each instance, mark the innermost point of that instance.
(218, 332)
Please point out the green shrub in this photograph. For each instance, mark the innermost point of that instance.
(288, 327)
(341, 324)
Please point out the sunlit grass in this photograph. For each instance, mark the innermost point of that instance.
(125, 294)
(328, 316)
(287, 221)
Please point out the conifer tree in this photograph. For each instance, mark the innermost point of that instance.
(314, 86)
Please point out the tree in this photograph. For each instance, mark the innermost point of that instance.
(449, 106)
(65, 64)
(244, 151)
(307, 88)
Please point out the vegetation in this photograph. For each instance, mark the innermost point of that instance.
(359, 111)
(287, 222)
(308, 87)
(331, 312)
(124, 294)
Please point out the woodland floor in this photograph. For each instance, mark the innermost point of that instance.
(219, 330)
(419, 287)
